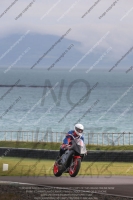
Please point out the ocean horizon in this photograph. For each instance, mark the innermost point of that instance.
(55, 100)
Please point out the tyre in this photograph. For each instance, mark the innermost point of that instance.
(56, 171)
(75, 167)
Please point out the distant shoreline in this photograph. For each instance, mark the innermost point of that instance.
(24, 86)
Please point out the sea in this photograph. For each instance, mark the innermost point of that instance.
(57, 99)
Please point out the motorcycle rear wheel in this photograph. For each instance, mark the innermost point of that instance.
(56, 171)
(75, 167)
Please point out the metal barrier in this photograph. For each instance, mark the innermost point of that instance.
(90, 138)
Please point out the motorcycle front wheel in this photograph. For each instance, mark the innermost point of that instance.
(75, 167)
(56, 171)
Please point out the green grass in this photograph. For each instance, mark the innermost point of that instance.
(109, 147)
(33, 167)
(31, 145)
(56, 146)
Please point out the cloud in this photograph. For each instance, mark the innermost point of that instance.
(42, 18)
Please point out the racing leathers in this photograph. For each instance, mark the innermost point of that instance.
(67, 141)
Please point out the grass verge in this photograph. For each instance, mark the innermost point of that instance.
(56, 146)
(34, 167)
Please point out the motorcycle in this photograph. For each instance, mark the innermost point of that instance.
(70, 161)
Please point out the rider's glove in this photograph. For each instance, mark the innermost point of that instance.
(67, 146)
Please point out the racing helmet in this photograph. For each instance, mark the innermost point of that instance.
(79, 129)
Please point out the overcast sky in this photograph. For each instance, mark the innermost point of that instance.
(95, 37)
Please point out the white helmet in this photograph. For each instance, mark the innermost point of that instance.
(79, 129)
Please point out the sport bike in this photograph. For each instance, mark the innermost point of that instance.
(70, 161)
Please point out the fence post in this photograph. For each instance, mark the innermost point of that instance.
(103, 138)
(17, 136)
(27, 136)
(32, 136)
(56, 137)
(42, 137)
(52, 136)
(5, 135)
(91, 139)
(61, 137)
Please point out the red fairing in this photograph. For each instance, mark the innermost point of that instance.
(77, 157)
(65, 146)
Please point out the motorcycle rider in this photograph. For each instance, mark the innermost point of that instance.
(77, 133)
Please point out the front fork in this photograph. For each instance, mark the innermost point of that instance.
(74, 159)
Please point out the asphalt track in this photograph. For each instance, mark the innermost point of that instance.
(118, 185)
